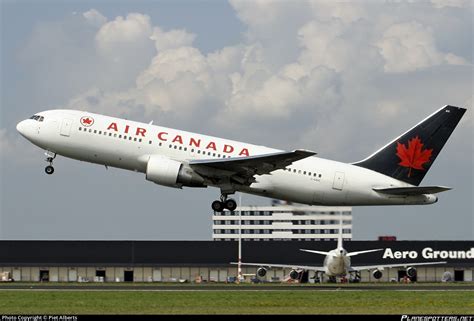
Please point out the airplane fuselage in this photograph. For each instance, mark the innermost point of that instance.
(128, 145)
(337, 263)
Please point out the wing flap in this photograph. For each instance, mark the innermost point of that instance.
(412, 190)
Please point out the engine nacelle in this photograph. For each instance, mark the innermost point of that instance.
(261, 272)
(168, 172)
(411, 272)
(377, 274)
(294, 274)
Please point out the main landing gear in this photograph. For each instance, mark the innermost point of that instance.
(50, 156)
(224, 203)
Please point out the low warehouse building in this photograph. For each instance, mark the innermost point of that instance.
(168, 261)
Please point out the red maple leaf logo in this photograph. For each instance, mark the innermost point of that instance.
(414, 156)
(87, 121)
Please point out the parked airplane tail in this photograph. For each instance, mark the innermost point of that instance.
(409, 156)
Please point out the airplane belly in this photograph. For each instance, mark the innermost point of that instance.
(286, 187)
(113, 155)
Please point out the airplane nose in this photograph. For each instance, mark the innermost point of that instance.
(21, 127)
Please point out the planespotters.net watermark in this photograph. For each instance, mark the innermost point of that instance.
(40, 317)
(437, 318)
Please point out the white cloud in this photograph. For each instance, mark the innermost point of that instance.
(124, 34)
(451, 3)
(171, 39)
(94, 17)
(318, 59)
(411, 46)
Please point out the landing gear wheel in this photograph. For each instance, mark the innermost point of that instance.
(49, 170)
(230, 204)
(218, 206)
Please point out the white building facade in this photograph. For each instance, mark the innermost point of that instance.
(282, 222)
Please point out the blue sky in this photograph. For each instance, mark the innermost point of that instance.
(338, 78)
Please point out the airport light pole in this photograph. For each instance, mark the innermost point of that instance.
(239, 265)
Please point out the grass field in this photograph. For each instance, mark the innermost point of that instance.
(234, 302)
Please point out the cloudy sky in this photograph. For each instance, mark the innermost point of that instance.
(339, 78)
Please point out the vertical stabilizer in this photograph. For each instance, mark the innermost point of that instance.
(339, 238)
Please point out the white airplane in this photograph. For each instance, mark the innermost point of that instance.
(337, 264)
(178, 158)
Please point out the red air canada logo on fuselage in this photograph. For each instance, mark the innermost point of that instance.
(185, 140)
(87, 121)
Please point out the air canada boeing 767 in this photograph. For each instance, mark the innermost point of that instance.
(175, 158)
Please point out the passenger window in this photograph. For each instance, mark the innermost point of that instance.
(95, 131)
(120, 136)
(185, 148)
(175, 147)
(115, 135)
(110, 134)
(304, 173)
(90, 130)
(80, 128)
(199, 151)
(135, 139)
(180, 148)
(192, 150)
(299, 172)
(130, 138)
(170, 146)
(140, 140)
(159, 144)
(100, 132)
(319, 175)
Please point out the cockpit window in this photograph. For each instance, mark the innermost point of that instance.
(37, 117)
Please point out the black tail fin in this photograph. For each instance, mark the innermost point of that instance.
(409, 156)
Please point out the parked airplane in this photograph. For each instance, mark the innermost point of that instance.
(337, 264)
(176, 158)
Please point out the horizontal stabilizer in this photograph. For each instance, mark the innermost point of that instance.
(363, 252)
(412, 190)
(316, 252)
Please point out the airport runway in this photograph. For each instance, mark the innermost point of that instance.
(369, 287)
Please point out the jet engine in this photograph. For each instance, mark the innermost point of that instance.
(377, 274)
(261, 272)
(168, 172)
(411, 272)
(294, 274)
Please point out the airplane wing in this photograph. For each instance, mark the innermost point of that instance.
(412, 190)
(296, 267)
(243, 169)
(383, 266)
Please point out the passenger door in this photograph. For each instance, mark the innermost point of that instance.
(338, 183)
(66, 127)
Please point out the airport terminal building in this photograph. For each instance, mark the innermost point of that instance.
(209, 261)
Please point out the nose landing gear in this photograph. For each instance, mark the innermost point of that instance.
(224, 203)
(50, 156)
